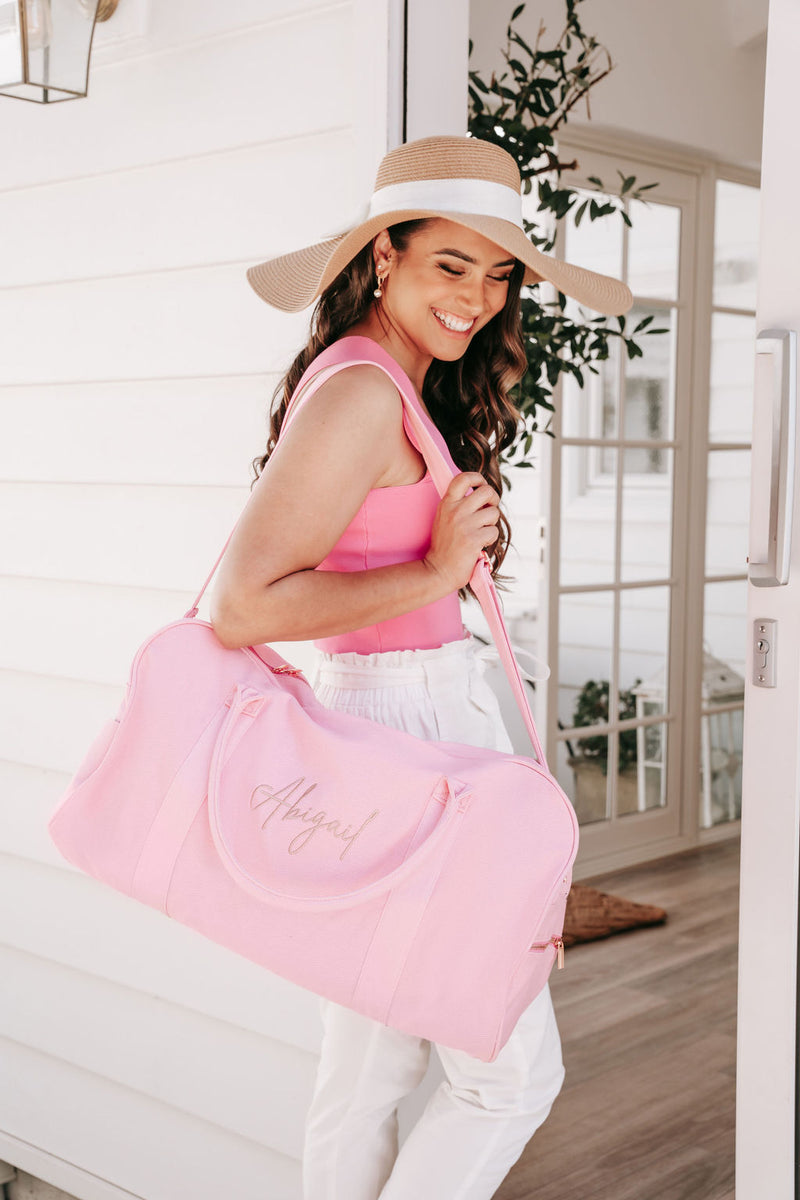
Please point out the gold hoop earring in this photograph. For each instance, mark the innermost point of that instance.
(379, 289)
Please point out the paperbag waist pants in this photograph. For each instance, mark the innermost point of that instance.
(476, 1124)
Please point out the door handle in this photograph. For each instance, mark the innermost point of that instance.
(773, 458)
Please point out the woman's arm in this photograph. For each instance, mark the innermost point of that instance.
(340, 443)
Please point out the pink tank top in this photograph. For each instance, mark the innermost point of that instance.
(393, 525)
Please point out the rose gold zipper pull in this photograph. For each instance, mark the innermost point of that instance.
(559, 944)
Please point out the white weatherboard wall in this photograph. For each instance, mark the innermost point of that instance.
(137, 1058)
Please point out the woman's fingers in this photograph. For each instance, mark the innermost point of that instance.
(465, 524)
(472, 491)
(461, 484)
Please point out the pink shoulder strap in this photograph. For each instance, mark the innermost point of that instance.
(350, 351)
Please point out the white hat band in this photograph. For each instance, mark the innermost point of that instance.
(450, 195)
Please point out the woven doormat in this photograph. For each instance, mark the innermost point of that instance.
(592, 915)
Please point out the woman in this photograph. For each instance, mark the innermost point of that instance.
(347, 543)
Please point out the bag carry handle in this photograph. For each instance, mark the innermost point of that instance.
(356, 350)
(245, 702)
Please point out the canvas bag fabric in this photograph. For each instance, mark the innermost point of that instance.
(420, 883)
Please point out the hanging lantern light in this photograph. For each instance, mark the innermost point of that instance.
(45, 47)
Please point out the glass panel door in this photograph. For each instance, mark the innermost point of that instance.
(619, 468)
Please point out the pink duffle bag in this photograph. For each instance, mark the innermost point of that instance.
(420, 883)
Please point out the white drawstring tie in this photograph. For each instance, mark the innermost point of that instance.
(488, 653)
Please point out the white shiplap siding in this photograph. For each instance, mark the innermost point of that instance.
(137, 364)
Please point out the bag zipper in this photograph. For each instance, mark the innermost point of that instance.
(558, 942)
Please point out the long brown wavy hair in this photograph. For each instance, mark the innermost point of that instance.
(468, 399)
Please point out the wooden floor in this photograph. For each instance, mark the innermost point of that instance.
(648, 1022)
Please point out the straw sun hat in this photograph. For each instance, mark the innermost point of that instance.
(462, 179)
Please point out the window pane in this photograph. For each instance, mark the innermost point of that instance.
(643, 785)
(649, 380)
(736, 245)
(721, 768)
(594, 244)
(653, 249)
(643, 651)
(644, 677)
(646, 515)
(586, 637)
(733, 350)
(721, 725)
(564, 773)
(591, 410)
(725, 624)
(727, 511)
(582, 774)
(588, 506)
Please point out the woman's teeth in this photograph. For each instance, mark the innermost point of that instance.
(453, 323)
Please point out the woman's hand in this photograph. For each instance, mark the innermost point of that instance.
(465, 523)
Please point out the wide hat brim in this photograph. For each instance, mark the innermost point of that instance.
(291, 282)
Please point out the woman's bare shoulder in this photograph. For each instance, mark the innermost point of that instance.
(346, 433)
(360, 397)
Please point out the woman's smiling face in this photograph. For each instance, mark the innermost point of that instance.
(448, 283)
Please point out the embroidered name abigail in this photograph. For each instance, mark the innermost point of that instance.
(282, 798)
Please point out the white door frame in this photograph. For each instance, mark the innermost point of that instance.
(767, 1042)
(437, 67)
(429, 63)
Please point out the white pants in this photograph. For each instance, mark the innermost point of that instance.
(476, 1124)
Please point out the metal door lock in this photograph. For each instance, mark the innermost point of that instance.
(765, 633)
